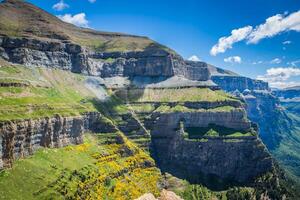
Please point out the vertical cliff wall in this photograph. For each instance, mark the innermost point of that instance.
(21, 138)
(152, 62)
(232, 83)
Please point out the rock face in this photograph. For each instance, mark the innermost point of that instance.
(222, 161)
(234, 119)
(232, 83)
(164, 195)
(21, 138)
(288, 93)
(264, 109)
(208, 159)
(152, 62)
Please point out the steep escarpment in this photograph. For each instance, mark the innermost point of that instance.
(264, 109)
(22, 138)
(52, 43)
(152, 103)
(153, 61)
(274, 112)
(230, 81)
(193, 128)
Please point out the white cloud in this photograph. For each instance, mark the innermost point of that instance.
(78, 19)
(194, 58)
(92, 1)
(233, 59)
(286, 42)
(294, 63)
(61, 5)
(275, 61)
(278, 77)
(273, 25)
(225, 43)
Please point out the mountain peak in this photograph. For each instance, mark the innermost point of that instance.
(19, 18)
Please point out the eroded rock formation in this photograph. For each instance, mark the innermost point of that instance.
(152, 62)
(21, 138)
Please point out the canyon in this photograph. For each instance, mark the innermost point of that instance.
(137, 113)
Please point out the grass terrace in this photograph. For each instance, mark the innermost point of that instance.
(215, 131)
(178, 95)
(49, 92)
(182, 108)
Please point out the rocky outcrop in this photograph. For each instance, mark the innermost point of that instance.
(240, 83)
(33, 52)
(164, 195)
(288, 94)
(217, 163)
(21, 138)
(208, 159)
(152, 62)
(164, 122)
(264, 109)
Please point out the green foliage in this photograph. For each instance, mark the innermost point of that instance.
(178, 95)
(181, 108)
(238, 193)
(50, 92)
(197, 192)
(215, 130)
(100, 168)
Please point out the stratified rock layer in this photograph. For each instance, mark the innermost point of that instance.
(21, 138)
(152, 62)
(240, 83)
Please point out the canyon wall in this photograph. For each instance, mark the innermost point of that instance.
(152, 62)
(216, 162)
(233, 119)
(21, 138)
(232, 83)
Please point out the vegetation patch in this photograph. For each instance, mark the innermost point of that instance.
(181, 108)
(215, 131)
(61, 93)
(178, 95)
(106, 166)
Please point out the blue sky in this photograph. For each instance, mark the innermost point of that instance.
(193, 27)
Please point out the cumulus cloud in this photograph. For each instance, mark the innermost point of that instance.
(194, 58)
(225, 43)
(233, 59)
(275, 61)
(61, 5)
(78, 19)
(273, 26)
(279, 77)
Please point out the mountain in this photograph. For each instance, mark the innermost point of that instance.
(97, 115)
(275, 111)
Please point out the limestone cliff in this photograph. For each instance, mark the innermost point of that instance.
(190, 127)
(23, 137)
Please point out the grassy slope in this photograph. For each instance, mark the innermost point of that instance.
(288, 151)
(93, 169)
(19, 19)
(50, 92)
(178, 95)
